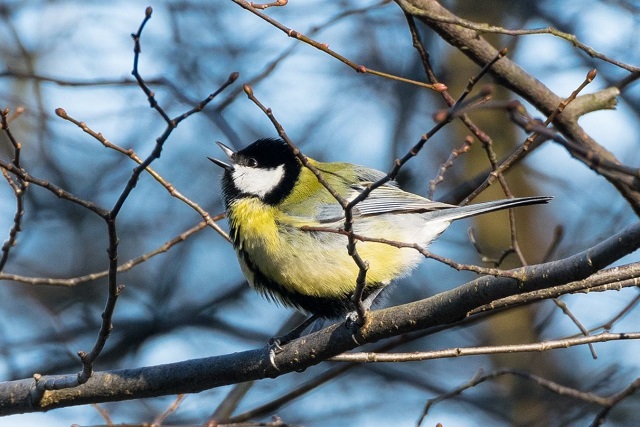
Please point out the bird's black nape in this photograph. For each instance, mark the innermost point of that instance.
(269, 153)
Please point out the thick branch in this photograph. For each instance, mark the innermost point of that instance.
(510, 75)
(201, 374)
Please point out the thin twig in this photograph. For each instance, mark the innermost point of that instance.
(532, 142)
(460, 267)
(625, 310)
(157, 422)
(347, 206)
(271, 66)
(496, 262)
(325, 48)
(114, 290)
(291, 395)
(613, 400)
(19, 189)
(73, 281)
(609, 279)
(133, 156)
(486, 28)
(296, 151)
(515, 245)
(103, 413)
(567, 312)
(56, 190)
(480, 377)
(267, 5)
(455, 153)
(542, 346)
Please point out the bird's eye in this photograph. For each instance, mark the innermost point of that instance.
(252, 163)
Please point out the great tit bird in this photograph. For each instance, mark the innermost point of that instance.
(270, 197)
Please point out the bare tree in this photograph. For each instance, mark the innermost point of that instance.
(515, 322)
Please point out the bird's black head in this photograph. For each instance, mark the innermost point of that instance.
(266, 169)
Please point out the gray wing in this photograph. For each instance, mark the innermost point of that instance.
(391, 199)
(388, 198)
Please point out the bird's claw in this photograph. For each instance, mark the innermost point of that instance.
(275, 347)
(353, 320)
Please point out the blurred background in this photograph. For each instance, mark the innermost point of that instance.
(192, 301)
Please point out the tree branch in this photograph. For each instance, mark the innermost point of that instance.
(201, 374)
(511, 76)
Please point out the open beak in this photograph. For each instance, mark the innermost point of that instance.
(230, 154)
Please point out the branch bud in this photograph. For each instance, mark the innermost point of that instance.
(440, 87)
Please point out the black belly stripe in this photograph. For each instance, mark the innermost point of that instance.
(327, 307)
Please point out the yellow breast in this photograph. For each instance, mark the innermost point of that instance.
(305, 262)
(254, 222)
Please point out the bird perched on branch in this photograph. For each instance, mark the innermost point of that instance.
(285, 226)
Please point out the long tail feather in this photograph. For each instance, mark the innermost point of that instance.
(459, 212)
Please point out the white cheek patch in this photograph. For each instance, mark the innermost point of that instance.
(257, 181)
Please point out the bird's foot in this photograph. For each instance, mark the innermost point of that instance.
(354, 321)
(277, 343)
(274, 345)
